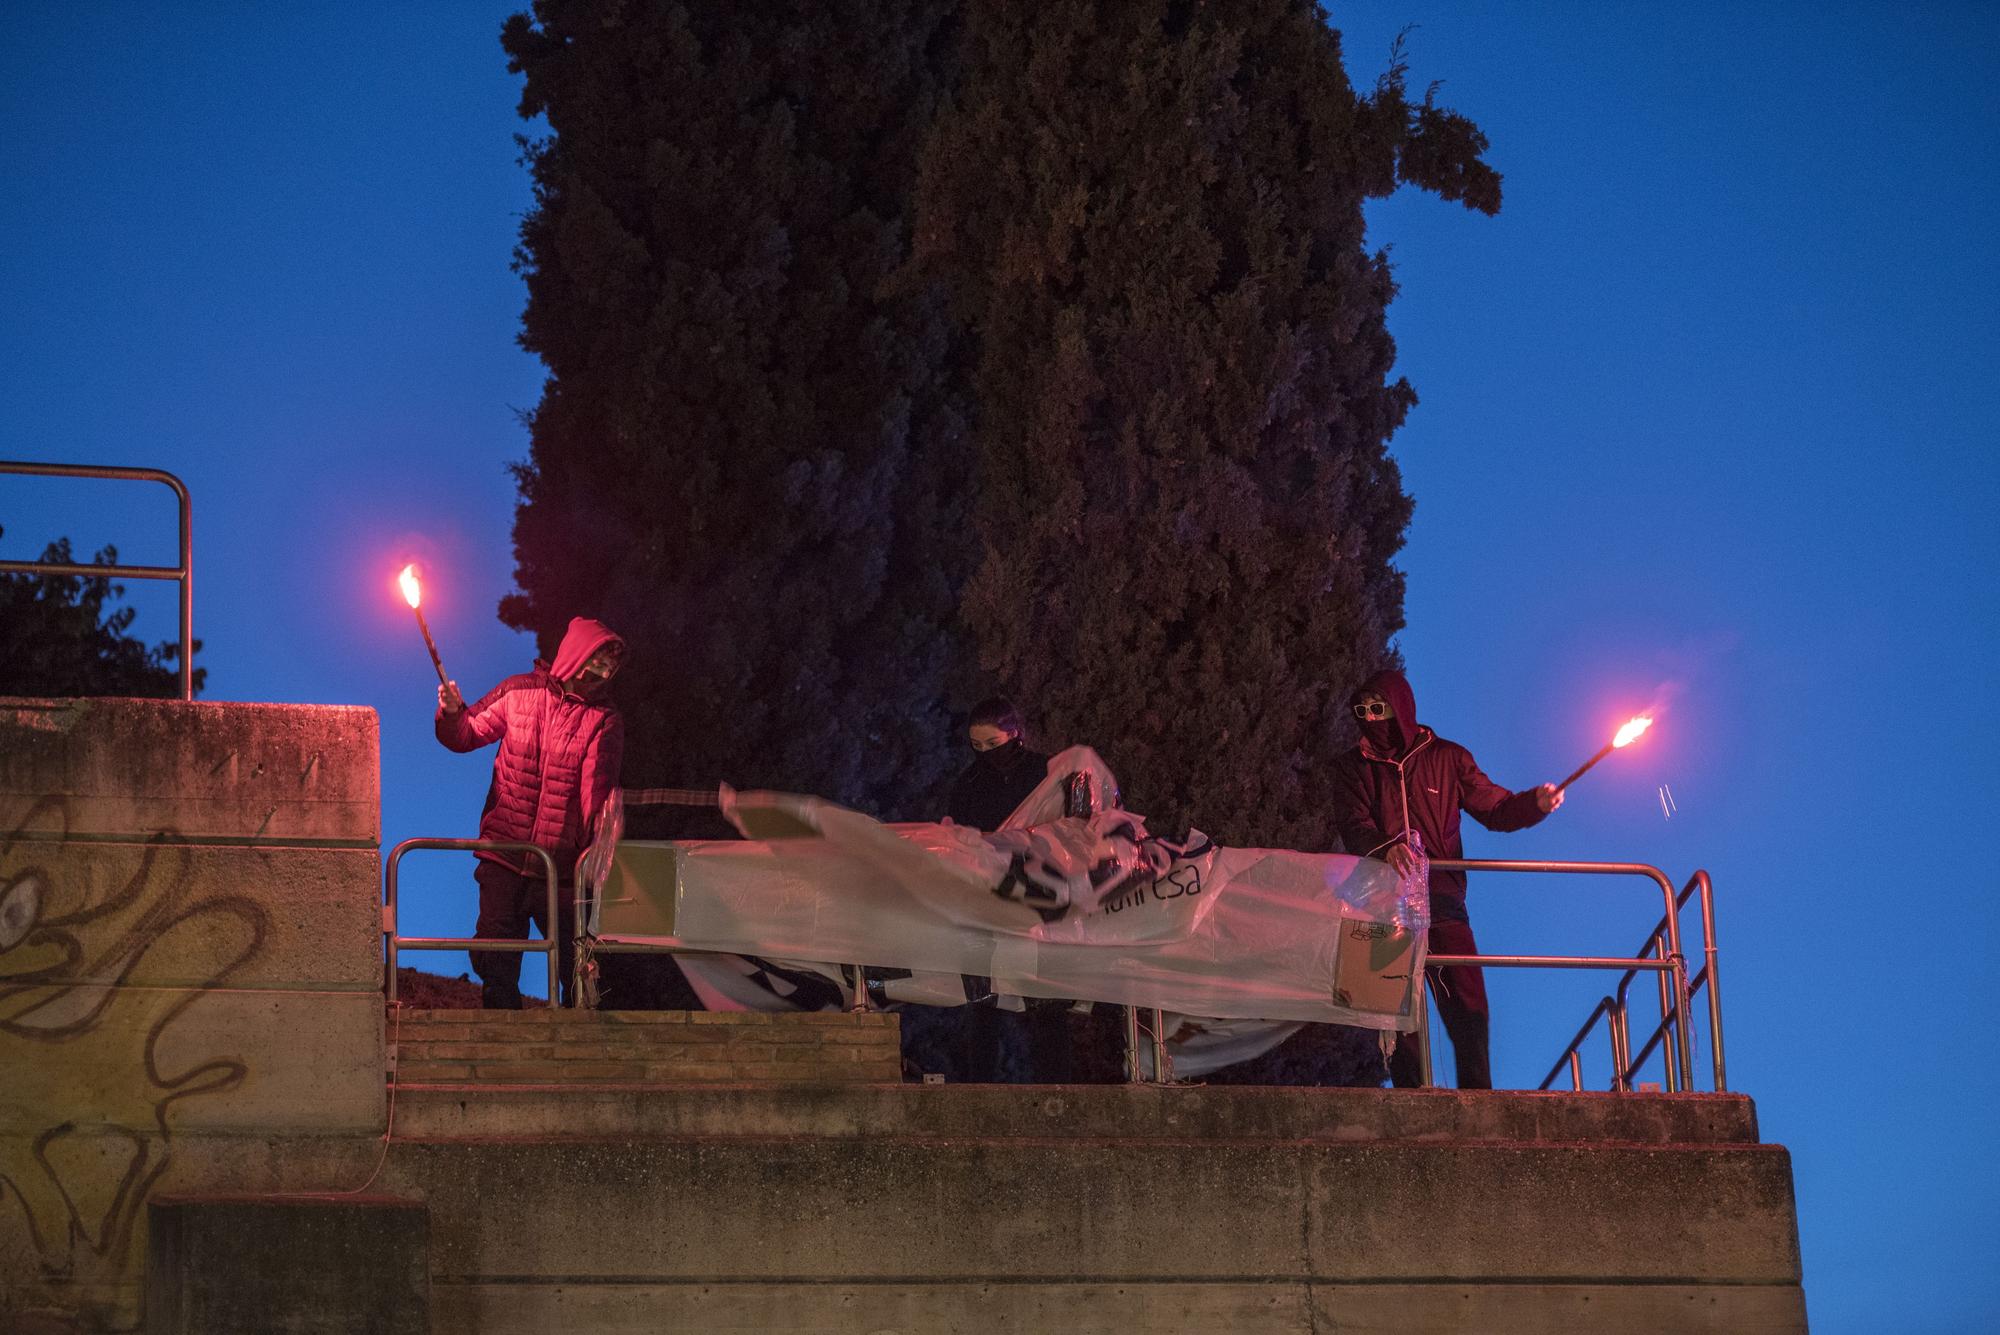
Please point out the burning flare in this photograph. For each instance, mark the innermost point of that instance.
(413, 593)
(1627, 735)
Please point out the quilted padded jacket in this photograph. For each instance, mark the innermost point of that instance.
(559, 754)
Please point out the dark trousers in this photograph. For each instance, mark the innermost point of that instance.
(508, 903)
(1041, 1034)
(1459, 992)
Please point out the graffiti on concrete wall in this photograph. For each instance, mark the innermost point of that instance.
(97, 975)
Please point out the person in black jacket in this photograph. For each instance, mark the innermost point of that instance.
(1003, 770)
(1002, 773)
(1402, 777)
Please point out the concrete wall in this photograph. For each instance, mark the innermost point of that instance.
(189, 970)
(1106, 1209)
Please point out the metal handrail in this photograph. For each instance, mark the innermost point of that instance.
(1631, 1067)
(394, 941)
(1669, 966)
(182, 574)
(1624, 1065)
(1569, 1056)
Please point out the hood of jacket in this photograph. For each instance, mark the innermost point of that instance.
(583, 638)
(1402, 730)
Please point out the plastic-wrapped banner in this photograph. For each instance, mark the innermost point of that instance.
(1080, 907)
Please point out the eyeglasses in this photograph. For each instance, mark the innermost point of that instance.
(1371, 709)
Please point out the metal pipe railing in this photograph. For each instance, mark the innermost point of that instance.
(394, 942)
(1604, 1007)
(1699, 884)
(1710, 971)
(183, 573)
(1653, 1040)
(1677, 982)
(1669, 967)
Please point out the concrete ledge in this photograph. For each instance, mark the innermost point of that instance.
(1686, 1214)
(1222, 1113)
(896, 1210)
(976, 1308)
(139, 767)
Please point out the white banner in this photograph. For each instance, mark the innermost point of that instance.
(1091, 909)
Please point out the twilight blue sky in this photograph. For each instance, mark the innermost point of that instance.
(1709, 407)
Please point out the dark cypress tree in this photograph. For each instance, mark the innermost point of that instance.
(746, 458)
(1149, 216)
(64, 638)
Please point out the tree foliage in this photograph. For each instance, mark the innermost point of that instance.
(904, 350)
(64, 638)
(747, 458)
(1150, 211)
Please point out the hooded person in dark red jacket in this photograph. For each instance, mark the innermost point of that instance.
(561, 745)
(1402, 777)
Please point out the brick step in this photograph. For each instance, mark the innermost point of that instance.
(587, 1074)
(498, 1048)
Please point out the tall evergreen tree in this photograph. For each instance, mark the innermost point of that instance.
(746, 458)
(1149, 216)
(64, 637)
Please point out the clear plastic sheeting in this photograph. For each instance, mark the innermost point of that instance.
(1199, 1046)
(1086, 908)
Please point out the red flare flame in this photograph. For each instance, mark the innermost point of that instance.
(1632, 731)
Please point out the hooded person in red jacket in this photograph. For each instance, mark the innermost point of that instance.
(1402, 777)
(561, 744)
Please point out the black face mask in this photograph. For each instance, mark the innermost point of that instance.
(1383, 735)
(1000, 757)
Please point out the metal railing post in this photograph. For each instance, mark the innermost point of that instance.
(183, 574)
(1423, 1036)
(395, 942)
(1706, 891)
(1670, 1019)
(186, 585)
(1133, 1075)
(391, 929)
(1571, 1053)
(1621, 1048)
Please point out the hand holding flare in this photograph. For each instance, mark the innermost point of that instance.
(413, 594)
(1627, 735)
